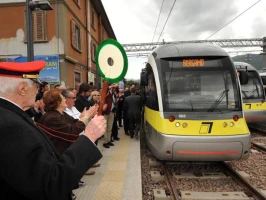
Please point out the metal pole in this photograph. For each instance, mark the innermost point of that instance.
(264, 52)
(29, 24)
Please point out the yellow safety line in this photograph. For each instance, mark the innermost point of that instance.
(112, 184)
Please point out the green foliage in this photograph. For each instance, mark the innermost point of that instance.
(129, 82)
(256, 60)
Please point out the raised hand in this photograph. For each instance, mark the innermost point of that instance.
(95, 128)
(92, 111)
(83, 113)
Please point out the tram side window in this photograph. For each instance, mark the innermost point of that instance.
(263, 78)
(151, 93)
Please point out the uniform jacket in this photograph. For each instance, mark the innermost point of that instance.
(53, 122)
(133, 106)
(30, 167)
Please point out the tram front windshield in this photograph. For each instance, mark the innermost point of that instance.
(205, 89)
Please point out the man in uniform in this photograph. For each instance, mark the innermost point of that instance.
(30, 167)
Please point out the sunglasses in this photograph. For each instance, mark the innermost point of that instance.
(71, 98)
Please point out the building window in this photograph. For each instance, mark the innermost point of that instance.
(77, 78)
(77, 2)
(102, 34)
(76, 36)
(39, 26)
(93, 19)
(93, 51)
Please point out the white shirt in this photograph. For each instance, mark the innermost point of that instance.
(73, 112)
(11, 102)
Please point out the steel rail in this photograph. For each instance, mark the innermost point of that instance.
(259, 147)
(256, 193)
(170, 183)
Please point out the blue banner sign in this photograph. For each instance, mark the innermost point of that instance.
(50, 73)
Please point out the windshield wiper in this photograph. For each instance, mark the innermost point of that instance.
(218, 100)
(191, 105)
(257, 90)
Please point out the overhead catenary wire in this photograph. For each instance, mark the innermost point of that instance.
(157, 21)
(167, 20)
(233, 19)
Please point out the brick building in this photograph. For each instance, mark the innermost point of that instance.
(66, 37)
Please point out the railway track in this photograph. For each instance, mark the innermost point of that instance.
(256, 194)
(174, 181)
(258, 134)
(174, 193)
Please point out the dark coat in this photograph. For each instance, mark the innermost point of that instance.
(133, 107)
(53, 122)
(30, 167)
(127, 93)
(81, 103)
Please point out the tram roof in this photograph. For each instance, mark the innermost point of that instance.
(243, 64)
(188, 50)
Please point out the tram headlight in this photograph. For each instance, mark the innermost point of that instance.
(177, 124)
(224, 124)
(184, 125)
(231, 124)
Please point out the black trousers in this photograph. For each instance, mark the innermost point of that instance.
(114, 128)
(134, 126)
(125, 123)
(119, 116)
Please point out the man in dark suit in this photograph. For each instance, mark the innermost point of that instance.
(30, 166)
(125, 118)
(82, 97)
(133, 106)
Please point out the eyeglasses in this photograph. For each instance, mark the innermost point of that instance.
(96, 95)
(71, 98)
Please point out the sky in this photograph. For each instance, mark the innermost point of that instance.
(134, 21)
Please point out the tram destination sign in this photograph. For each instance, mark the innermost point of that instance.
(193, 62)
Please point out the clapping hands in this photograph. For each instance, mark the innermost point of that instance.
(95, 128)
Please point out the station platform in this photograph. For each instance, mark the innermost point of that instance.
(119, 175)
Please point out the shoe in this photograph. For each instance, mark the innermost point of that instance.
(106, 145)
(111, 144)
(81, 184)
(97, 165)
(90, 172)
(131, 136)
(120, 126)
(112, 141)
(117, 138)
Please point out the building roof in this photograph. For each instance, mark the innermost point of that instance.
(100, 10)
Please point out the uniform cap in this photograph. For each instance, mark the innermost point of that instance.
(29, 70)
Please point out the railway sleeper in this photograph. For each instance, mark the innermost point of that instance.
(160, 194)
(156, 176)
(188, 195)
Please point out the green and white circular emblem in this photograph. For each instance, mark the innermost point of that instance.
(111, 61)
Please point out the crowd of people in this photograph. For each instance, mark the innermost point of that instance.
(45, 159)
(67, 117)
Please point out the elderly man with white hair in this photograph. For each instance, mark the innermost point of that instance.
(30, 166)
